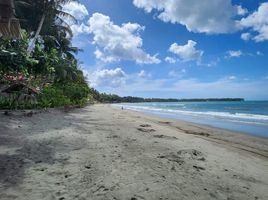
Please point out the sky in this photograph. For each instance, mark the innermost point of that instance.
(173, 48)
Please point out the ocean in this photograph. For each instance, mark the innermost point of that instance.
(250, 117)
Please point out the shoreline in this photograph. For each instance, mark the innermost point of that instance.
(210, 132)
(101, 152)
(233, 122)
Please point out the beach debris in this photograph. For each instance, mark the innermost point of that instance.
(165, 137)
(173, 158)
(145, 125)
(112, 136)
(146, 130)
(88, 166)
(161, 122)
(198, 168)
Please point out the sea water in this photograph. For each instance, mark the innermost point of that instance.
(249, 117)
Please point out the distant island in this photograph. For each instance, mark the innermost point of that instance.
(212, 99)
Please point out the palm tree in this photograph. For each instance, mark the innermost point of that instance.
(43, 17)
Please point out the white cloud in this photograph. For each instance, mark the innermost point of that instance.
(186, 52)
(241, 11)
(79, 29)
(234, 54)
(204, 16)
(79, 11)
(193, 88)
(144, 74)
(258, 22)
(259, 53)
(170, 60)
(115, 43)
(246, 36)
(231, 77)
(177, 73)
(107, 77)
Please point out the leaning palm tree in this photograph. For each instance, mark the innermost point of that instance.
(52, 10)
(43, 16)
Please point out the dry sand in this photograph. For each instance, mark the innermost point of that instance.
(100, 152)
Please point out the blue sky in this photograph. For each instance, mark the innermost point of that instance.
(174, 48)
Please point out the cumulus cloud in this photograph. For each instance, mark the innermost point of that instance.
(234, 54)
(108, 78)
(186, 52)
(258, 23)
(204, 16)
(79, 29)
(246, 36)
(170, 60)
(115, 43)
(79, 11)
(241, 11)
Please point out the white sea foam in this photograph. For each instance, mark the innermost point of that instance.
(239, 117)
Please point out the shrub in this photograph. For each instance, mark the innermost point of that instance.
(52, 96)
(62, 95)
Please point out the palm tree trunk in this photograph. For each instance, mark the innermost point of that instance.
(31, 45)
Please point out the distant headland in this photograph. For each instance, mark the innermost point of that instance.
(112, 98)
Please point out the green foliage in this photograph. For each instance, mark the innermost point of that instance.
(13, 55)
(53, 96)
(75, 92)
(13, 104)
(50, 68)
(62, 95)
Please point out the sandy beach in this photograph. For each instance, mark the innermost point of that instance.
(100, 152)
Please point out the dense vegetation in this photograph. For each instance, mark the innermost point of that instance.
(40, 68)
(112, 98)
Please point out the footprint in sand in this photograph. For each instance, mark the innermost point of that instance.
(191, 154)
(186, 154)
(145, 128)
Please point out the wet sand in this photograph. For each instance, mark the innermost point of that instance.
(101, 152)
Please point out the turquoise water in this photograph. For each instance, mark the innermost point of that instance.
(250, 117)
